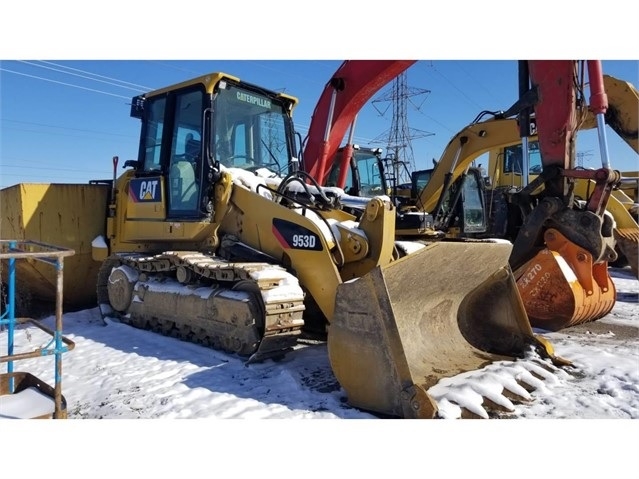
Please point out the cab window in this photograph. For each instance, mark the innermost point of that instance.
(185, 160)
(513, 158)
(155, 110)
(251, 130)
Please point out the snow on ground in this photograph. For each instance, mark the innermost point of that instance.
(116, 371)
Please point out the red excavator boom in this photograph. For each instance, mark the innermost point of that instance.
(348, 90)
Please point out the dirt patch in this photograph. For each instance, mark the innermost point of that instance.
(622, 332)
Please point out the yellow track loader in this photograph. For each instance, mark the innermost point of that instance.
(213, 235)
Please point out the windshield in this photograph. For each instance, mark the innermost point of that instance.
(251, 130)
(370, 177)
(473, 205)
(513, 158)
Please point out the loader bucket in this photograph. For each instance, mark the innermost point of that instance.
(443, 310)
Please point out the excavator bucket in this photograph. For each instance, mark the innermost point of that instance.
(443, 310)
(562, 287)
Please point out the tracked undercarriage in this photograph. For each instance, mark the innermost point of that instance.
(251, 309)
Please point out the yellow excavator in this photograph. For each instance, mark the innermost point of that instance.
(448, 202)
(213, 235)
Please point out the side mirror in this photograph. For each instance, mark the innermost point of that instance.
(134, 163)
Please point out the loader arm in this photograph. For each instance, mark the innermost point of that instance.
(314, 243)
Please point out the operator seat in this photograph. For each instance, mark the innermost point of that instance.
(184, 184)
(192, 150)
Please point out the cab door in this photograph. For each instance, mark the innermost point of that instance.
(164, 192)
(146, 196)
(185, 156)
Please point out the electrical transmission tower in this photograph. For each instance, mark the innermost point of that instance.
(580, 157)
(398, 138)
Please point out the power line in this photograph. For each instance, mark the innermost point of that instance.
(59, 127)
(476, 82)
(137, 89)
(23, 167)
(96, 75)
(454, 86)
(175, 67)
(434, 120)
(66, 84)
(83, 73)
(258, 64)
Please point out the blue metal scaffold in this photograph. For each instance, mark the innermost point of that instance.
(18, 388)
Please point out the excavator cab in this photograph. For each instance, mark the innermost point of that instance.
(461, 211)
(365, 175)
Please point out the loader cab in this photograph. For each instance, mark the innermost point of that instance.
(196, 129)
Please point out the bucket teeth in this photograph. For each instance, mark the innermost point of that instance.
(496, 390)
